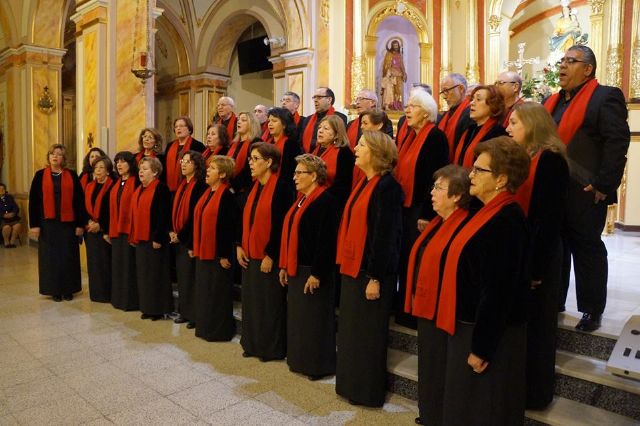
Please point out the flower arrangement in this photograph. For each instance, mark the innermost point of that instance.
(543, 85)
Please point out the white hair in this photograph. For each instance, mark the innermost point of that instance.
(423, 99)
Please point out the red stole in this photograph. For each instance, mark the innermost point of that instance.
(141, 212)
(449, 123)
(296, 118)
(408, 159)
(352, 235)
(205, 223)
(358, 175)
(282, 140)
(505, 122)
(84, 180)
(330, 157)
(289, 242)
(426, 293)
(140, 156)
(173, 166)
(467, 161)
(231, 124)
(66, 196)
(352, 132)
(402, 133)
(208, 153)
(94, 209)
(573, 116)
(255, 236)
(523, 195)
(120, 215)
(307, 136)
(446, 319)
(239, 155)
(181, 201)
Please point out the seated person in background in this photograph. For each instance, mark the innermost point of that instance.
(9, 219)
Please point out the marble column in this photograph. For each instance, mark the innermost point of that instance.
(635, 56)
(595, 37)
(493, 66)
(359, 68)
(614, 52)
(445, 22)
(472, 71)
(29, 130)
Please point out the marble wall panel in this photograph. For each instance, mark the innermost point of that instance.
(90, 86)
(47, 25)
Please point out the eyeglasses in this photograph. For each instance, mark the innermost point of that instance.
(445, 92)
(436, 187)
(364, 99)
(254, 158)
(500, 82)
(315, 97)
(569, 60)
(301, 172)
(185, 161)
(476, 170)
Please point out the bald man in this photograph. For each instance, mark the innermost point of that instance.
(509, 85)
(260, 111)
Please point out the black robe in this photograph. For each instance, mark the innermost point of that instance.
(264, 308)
(311, 341)
(343, 180)
(320, 115)
(472, 130)
(99, 253)
(58, 252)
(361, 370)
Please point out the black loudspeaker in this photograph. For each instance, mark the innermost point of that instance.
(253, 56)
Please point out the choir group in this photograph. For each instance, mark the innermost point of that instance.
(454, 227)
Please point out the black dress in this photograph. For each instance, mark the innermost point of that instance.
(546, 215)
(311, 340)
(99, 252)
(264, 305)
(58, 251)
(152, 265)
(433, 155)
(363, 327)
(214, 296)
(185, 264)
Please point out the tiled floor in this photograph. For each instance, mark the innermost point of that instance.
(86, 363)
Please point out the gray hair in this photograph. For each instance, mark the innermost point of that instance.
(369, 94)
(458, 79)
(588, 56)
(424, 100)
(422, 86)
(229, 100)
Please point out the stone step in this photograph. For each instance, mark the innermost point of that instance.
(566, 412)
(598, 344)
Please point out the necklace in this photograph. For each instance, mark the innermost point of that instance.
(56, 173)
(301, 201)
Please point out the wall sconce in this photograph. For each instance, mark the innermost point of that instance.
(275, 42)
(45, 103)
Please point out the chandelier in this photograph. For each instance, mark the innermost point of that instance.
(142, 62)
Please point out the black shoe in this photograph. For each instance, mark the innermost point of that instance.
(57, 298)
(418, 421)
(10, 246)
(156, 317)
(145, 316)
(180, 320)
(68, 297)
(315, 377)
(191, 325)
(352, 402)
(246, 355)
(561, 308)
(589, 322)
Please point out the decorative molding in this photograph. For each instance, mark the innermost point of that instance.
(324, 12)
(635, 71)
(614, 66)
(472, 74)
(494, 23)
(358, 73)
(400, 9)
(597, 7)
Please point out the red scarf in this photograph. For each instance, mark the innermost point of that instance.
(255, 236)
(94, 209)
(120, 215)
(307, 136)
(426, 293)
(402, 133)
(239, 154)
(505, 122)
(205, 222)
(141, 155)
(181, 201)
(141, 212)
(352, 235)
(358, 175)
(208, 153)
(446, 319)
(573, 117)
(330, 157)
(231, 125)
(289, 242)
(282, 140)
(173, 165)
(296, 118)
(408, 160)
(352, 132)
(467, 161)
(523, 195)
(66, 196)
(449, 122)
(84, 180)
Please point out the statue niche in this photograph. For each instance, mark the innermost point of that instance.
(393, 76)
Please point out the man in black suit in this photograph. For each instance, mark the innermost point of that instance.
(323, 100)
(592, 122)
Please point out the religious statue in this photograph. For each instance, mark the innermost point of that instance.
(393, 76)
(567, 32)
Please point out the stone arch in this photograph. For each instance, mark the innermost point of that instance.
(412, 14)
(7, 23)
(46, 28)
(179, 41)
